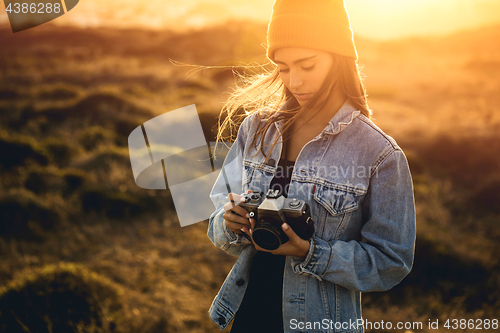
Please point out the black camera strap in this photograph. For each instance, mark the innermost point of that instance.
(285, 145)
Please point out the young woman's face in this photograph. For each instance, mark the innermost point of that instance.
(303, 71)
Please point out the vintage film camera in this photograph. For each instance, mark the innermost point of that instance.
(271, 212)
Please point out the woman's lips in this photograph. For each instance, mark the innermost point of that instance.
(302, 96)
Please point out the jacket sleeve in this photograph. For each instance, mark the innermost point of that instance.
(384, 255)
(229, 181)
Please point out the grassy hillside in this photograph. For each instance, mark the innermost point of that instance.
(83, 248)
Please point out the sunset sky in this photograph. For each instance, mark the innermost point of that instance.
(376, 19)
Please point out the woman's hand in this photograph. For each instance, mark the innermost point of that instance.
(235, 216)
(296, 246)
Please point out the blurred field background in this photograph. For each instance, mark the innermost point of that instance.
(83, 249)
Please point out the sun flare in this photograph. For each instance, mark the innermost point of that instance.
(374, 19)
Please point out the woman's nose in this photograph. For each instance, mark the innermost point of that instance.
(296, 80)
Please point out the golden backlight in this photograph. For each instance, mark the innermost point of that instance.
(375, 19)
(72, 215)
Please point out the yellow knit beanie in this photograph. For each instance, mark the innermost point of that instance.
(317, 24)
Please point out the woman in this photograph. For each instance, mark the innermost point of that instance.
(307, 133)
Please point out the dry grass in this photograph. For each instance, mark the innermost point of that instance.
(437, 97)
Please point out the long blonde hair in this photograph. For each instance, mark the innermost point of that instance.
(265, 94)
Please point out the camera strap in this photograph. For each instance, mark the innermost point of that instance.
(285, 146)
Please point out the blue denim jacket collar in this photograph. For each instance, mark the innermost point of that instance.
(344, 116)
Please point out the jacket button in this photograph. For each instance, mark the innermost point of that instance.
(271, 162)
(222, 320)
(240, 282)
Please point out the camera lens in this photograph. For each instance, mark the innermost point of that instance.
(267, 234)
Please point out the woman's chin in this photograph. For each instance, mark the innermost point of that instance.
(302, 102)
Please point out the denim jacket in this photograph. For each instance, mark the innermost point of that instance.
(358, 186)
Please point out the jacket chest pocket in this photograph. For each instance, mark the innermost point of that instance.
(334, 211)
(256, 180)
(246, 177)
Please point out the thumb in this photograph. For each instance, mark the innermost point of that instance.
(289, 232)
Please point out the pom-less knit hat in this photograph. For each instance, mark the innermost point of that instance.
(318, 24)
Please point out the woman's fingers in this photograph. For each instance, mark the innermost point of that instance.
(235, 222)
(234, 201)
(234, 227)
(252, 223)
(230, 216)
(235, 216)
(233, 197)
(236, 209)
(233, 205)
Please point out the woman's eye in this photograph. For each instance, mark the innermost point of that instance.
(284, 70)
(310, 68)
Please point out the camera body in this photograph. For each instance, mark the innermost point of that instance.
(270, 212)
